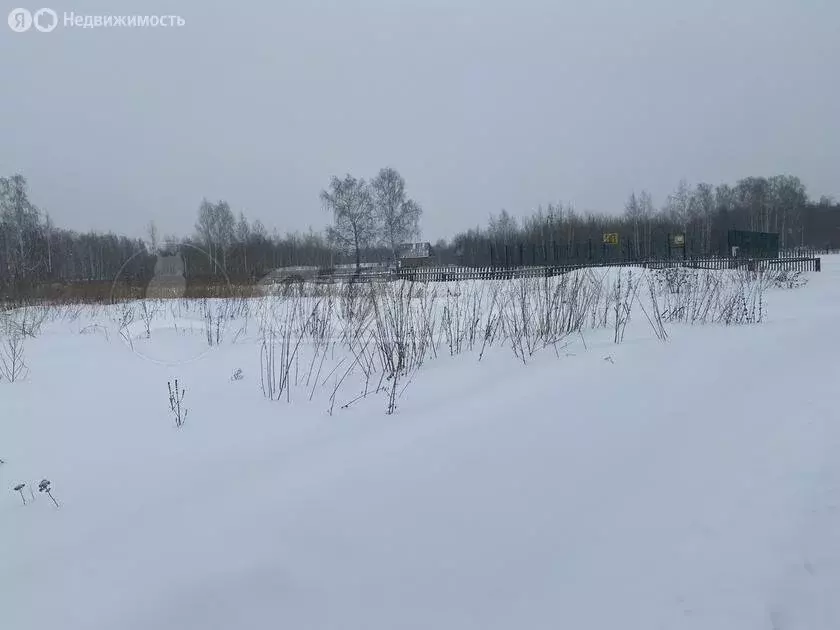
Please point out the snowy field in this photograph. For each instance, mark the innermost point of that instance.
(616, 449)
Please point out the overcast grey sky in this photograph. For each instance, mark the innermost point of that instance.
(480, 105)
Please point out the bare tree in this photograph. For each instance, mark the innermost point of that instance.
(258, 230)
(12, 364)
(787, 200)
(225, 229)
(397, 215)
(646, 211)
(639, 210)
(753, 195)
(48, 232)
(22, 220)
(351, 204)
(633, 212)
(725, 200)
(704, 206)
(206, 225)
(243, 235)
(152, 232)
(504, 227)
(678, 205)
(216, 227)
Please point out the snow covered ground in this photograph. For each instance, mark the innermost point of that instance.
(688, 484)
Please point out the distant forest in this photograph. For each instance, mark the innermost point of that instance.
(34, 252)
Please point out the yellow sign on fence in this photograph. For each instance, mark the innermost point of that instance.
(611, 238)
(679, 240)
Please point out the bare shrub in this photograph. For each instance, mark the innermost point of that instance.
(701, 296)
(654, 313)
(372, 338)
(783, 279)
(12, 364)
(491, 323)
(25, 321)
(281, 330)
(148, 310)
(176, 398)
(624, 294)
(400, 342)
(544, 312)
(125, 317)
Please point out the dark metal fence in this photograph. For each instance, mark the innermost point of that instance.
(618, 248)
(455, 273)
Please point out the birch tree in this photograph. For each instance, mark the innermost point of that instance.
(397, 215)
(351, 204)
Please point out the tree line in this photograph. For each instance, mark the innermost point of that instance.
(702, 215)
(371, 218)
(33, 250)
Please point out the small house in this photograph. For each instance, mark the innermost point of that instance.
(415, 255)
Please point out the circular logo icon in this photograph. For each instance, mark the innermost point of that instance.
(45, 20)
(160, 322)
(20, 20)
